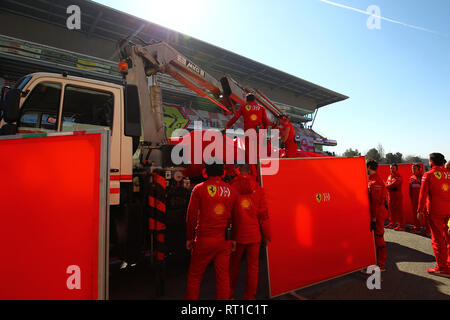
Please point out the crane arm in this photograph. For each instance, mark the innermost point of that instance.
(149, 60)
(236, 93)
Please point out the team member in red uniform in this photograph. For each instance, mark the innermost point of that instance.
(394, 187)
(254, 117)
(250, 218)
(288, 137)
(436, 188)
(378, 212)
(208, 216)
(415, 181)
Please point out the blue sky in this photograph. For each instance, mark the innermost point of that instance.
(397, 77)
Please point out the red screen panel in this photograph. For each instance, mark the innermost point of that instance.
(320, 221)
(405, 172)
(49, 216)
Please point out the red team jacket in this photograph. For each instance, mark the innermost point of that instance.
(414, 190)
(436, 187)
(394, 186)
(290, 145)
(377, 195)
(251, 214)
(254, 115)
(209, 211)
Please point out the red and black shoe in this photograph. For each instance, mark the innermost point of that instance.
(439, 272)
(415, 230)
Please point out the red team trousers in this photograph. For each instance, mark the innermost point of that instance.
(440, 240)
(435, 194)
(206, 250)
(209, 213)
(377, 194)
(251, 284)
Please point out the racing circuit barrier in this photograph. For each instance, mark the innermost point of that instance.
(54, 210)
(320, 220)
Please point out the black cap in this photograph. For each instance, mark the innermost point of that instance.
(250, 97)
(214, 167)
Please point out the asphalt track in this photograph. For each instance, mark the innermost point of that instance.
(409, 255)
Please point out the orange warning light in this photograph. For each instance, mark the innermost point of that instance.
(123, 67)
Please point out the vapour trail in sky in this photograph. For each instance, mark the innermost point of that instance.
(382, 18)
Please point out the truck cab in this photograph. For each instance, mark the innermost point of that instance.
(60, 103)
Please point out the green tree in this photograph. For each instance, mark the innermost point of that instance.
(351, 153)
(374, 155)
(394, 158)
(413, 159)
(390, 158)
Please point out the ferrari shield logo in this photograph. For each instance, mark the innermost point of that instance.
(248, 107)
(318, 197)
(212, 190)
(438, 175)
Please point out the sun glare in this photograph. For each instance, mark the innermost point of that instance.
(178, 15)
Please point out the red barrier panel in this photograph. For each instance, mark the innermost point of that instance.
(320, 220)
(53, 217)
(405, 172)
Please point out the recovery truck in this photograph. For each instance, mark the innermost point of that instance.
(45, 102)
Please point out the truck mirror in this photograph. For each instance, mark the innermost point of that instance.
(132, 112)
(2, 100)
(11, 105)
(4, 91)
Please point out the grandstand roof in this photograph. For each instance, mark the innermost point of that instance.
(100, 21)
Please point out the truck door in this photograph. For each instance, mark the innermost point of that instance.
(63, 105)
(95, 107)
